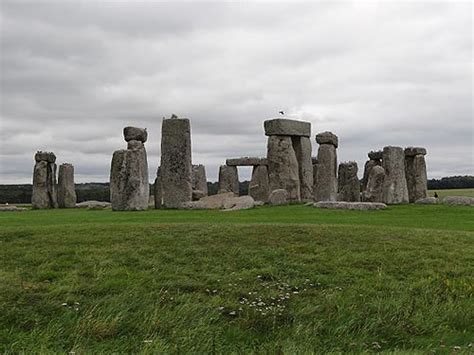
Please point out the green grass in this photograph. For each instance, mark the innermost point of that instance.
(291, 279)
(452, 192)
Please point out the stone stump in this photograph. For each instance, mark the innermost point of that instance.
(44, 193)
(374, 189)
(129, 186)
(158, 189)
(259, 187)
(283, 167)
(325, 186)
(348, 182)
(395, 189)
(66, 189)
(417, 181)
(176, 166)
(199, 180)
(228, 179)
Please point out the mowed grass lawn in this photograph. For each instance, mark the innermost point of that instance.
(452, 192)
(291, 279)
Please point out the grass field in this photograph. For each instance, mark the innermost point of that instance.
(290, 279)
(452, 192)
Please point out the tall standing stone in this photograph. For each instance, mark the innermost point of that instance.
(374, 188)
(44, 193)
(417, 180)
(228, 179)
(158, 189)
(348, 182)
(395, 190)
(283, 169)
(129, 186)
(302, 147)
(66, 188)
(289, 157)
(199, 180)
(325, 186)
(259, 187)
(176, 165)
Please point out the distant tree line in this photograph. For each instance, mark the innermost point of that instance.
(101, 191)
(452, 182)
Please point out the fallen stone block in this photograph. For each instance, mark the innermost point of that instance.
(427, 201)
(11, 208)
(94, 205)
(278, 197)
(458, 201)
(239, 203)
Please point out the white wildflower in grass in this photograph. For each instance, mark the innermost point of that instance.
(232, 313)
(147, 341)
(64, 304)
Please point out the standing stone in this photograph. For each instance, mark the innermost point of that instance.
(129, 187)
(374, 189)
(228, 179)
(325, 186)
(416, 176)
(348, 182)
(199, 180)
(44, 193)
(259, 187)
(375, 158)
(66, 188)
(302, 146)
(283, 167)
(176, 166)
(395, 189)
(158, 189)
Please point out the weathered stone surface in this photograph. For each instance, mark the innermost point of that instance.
(11, 208)
(129, 187)
(348, 182)
(286, 127)
(66, 188)
(278, 197)
(44, 193)
(259, 187)
(198, 194)
(199, 180)
(228, 179)
(135, 133)
(94, 205)
(133, 144)
(395, 190)
(327, 138)
(283, 170)
(209, 202)
(375, 183)
(342, 205)
(176, 166)
(239, 203)
(325, 186)
(412, 151)
(427, 201)
(375, 154)
(417, 180)
(458, 200)
(369, 164)
(158, 190)
(49, 157)
(246, 161)
(302, 147)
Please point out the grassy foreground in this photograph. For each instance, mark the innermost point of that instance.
(452, 192)
(269, 280)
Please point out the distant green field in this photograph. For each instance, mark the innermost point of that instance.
(290, 279)
(452, 192)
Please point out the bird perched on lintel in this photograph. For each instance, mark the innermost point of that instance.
(281, 112)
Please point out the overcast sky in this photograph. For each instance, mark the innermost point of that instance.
(374, 73)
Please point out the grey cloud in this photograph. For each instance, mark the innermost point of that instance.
(74, 74)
